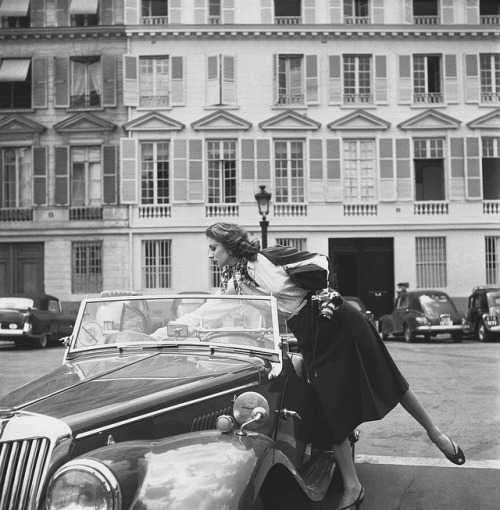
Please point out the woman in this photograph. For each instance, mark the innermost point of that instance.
(354, 377)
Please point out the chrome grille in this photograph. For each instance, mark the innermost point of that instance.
(22, 464)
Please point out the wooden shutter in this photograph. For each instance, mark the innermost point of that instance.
(266, 11)
(335, 11)
(311, 79)
(228, 12)
(472, 16)
(334, 79)
(180, 171)
(109, 174)
(275, 78)
(200, 15)
(177, 80)
(108, 80)
(247, 182)
(61, 195)
(62, 13)
(195, 176)
(407, 12)
(40, 176)
(381, 91)
(473, 169)
(316, 181)
(378, 12)
(61, 82)
(106, 8)
(37, 13)
(450, 79)
(457, 187)
(39, 67)
(129, 151)
(213, 80)
(447, 12)
(131, 12)
(405, 88)
(175, 12)
(472, 83)
(403, 169)
(228, 79)
(130, 81)
(263, 161)
(333, 173)
(387, 187)
(309, 12)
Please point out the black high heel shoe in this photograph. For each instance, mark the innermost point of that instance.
(357, 504)
(457, 457)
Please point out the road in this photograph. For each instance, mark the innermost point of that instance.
(459, 385)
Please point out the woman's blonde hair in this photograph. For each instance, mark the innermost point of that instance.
(235, 239)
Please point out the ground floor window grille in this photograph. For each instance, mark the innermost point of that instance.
(156, 264)
(492, 250)
(431, 262)
(86, 267)
(294, 242)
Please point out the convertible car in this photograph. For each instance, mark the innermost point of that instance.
(155, 408)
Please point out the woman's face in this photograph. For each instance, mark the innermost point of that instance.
(219, 254)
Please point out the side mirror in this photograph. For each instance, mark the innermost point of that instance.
(250, 409)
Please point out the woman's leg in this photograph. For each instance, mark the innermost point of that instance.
(345, 463)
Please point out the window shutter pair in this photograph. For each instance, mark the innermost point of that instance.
(221, 80)
(310, 73)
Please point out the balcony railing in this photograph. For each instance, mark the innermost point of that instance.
(154, 101)
(426, 20)
(492, 19)
(155, 211)
(222, 210)
(428, 97)
(358, 98)
(290, 99)
(430, 208)
(490, 97)
(491, 207)
(360, 210)
(290, 209)
(287, 20)
(85, 100)
(154, 20)
(214, 20)
(16, 214)
(357, 20)
(85, 213)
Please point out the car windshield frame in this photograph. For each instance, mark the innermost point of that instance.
(434, 305)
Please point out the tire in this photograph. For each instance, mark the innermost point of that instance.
(427, 338)
(458, 337)
(482, 333)
(410, 336)
(41, 343)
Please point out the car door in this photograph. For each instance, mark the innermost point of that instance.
(399, 312)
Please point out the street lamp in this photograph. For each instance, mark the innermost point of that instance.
(263, 198)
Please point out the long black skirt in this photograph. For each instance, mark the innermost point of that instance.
(354, 377)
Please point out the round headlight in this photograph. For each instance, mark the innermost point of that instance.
(83, 485)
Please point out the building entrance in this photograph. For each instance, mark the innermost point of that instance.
(21, 268)
(365, 268)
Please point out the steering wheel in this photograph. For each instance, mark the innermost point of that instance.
(238, 337)
(127, 337)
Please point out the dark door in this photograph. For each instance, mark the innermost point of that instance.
(365, 268)
(21, 268)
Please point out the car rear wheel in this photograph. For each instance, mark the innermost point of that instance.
(410, 336)
(482, 333)
(457, 337)
(42, 342)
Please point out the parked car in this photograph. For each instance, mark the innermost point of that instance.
(211, 407)
(360, 305)
(423, 313)
(33, 320)
(483, 313)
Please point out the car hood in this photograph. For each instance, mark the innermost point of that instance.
(93, 392)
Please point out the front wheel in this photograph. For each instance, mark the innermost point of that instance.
(410, 336)
(41, 343)
(483, 334)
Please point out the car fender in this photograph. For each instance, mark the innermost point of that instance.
(195, 470)
(386, 324)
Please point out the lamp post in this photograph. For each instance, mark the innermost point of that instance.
(263, 198)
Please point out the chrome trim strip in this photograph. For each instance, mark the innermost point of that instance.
(162, 411)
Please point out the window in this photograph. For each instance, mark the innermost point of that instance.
(15, 177)
(491, 168)
(214, 12)
(294, 242)
(154, 12)
(425, 12)
(221, 80)
(86, 82)
(154, 81)
(427, 79)
(492, 250)
(156, 264)
(490, 78)
(431, 262)
(86, 177)
(15, 83)
(489, 12)
(155, 182)
(287, 12)
(357, 80)
(359, 171)
(215, 274)
(221, 162)
(86, 267)
(84, 13)
(289, 171)
(290, 83)
(429, 169)
(356, 12)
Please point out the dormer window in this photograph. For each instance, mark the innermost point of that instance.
(15, 13)
(84, 13)
(287, 12)
(425, 12)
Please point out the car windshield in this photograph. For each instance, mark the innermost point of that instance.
(435, 305)
(16, 303)
(231, 320)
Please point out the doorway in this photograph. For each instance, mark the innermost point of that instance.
(21, 268)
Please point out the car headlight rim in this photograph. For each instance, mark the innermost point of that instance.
(93, 468)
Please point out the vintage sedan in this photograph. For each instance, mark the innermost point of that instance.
(424, 314)
(33, 320)
(483, 313)
(208, 410)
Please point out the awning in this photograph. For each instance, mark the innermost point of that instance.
(14, 8)
(83, 6)
(15, 69)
